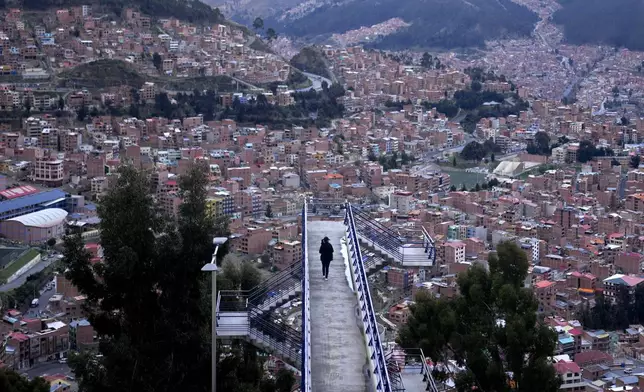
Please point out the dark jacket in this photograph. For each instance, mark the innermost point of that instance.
(326, 252)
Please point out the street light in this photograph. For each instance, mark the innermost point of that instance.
(212, 267)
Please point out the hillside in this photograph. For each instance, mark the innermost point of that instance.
(101, 74)
(434, 23)
(615, 22)
(189, 10)
(310, 60)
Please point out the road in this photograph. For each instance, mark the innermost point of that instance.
(48, 369)
(316, 81)
(22, 278)
(429, 157)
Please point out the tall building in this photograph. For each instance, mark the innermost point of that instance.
(49, 172)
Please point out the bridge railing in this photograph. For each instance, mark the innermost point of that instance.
(406, 250)
(375, 352)
(413, 361)
(306, 310)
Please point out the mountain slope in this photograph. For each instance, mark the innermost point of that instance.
(614, 22)
(434, 23)
(189, 10)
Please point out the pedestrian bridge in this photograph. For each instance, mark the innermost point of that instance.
(340, 345)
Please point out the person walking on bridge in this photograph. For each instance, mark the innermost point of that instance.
(326, 255)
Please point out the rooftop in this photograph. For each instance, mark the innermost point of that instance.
(44, 218)
(35, 199)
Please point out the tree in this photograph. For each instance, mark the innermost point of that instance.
(586, 151)
(452, 188)
(269, 211)
(542, 141)
(427, 60)
(473, 151)
(271, 34)
(149, 302)
(51, 242)
(491, 328)
(150, 288)
(492, 157)
(27, 106)
(82, 113)
(476, 86)
(258, 23)
(61, 103)
(634, 162)
(11, 381)
(157, 61)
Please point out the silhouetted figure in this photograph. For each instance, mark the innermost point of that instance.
(326, 255)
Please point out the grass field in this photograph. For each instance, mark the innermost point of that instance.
(17, 264)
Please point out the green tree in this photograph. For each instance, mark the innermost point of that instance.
(258, 23)
(27, 106)
(476, 86)
(51, 242)
(269, 211)
(491, 328)
(157, 61)
(634, 162)
(427, 60)
(82, 113)
(11, 381)
(271, 34)
(147, 302)
(586, 151)
(473, 151)
(61, 103)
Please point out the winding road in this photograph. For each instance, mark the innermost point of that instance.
(316, 81)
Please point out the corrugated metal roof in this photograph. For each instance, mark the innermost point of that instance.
(42, 218)
(31, 200)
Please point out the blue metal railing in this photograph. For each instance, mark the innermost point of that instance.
(306, 310)
(376, 353)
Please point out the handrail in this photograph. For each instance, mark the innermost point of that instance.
(287, 276)
(283, 338)
(306, 309)
(404, 250)
(282, 341)
(430, 245)
(269, 323)
(430, 379)
(415, 359)
(370, 324)
(217, 308)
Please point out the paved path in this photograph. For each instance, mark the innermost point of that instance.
(22, 278)
(338, 352)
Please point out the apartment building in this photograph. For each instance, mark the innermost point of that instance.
(49, 172)
(286, 253)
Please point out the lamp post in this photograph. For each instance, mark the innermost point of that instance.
(212, 267)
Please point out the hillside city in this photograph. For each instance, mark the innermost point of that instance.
(539, 148)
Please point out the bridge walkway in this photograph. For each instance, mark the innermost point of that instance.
(338, 352)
